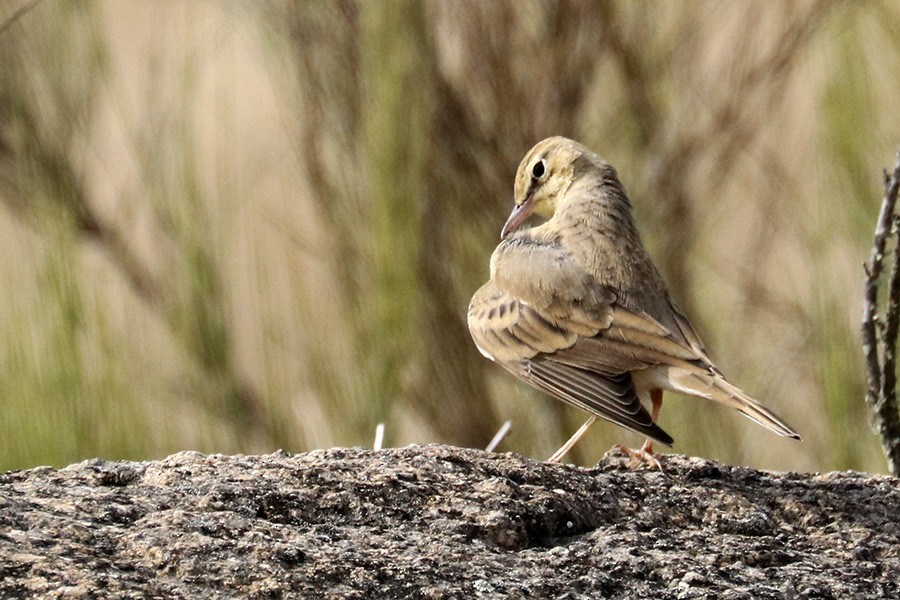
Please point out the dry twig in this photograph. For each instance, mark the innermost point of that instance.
(881, 335)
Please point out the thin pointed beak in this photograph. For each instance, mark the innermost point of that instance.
(519, 213)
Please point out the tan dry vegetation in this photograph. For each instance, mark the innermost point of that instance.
(235, 227)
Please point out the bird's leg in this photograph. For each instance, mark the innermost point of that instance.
(656, 401)
(557, 456)
(645, 454)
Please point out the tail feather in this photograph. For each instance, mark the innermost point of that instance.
(715, 387)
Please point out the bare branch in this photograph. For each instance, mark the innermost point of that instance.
(881, 394)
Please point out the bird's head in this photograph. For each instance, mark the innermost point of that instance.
(543, 177)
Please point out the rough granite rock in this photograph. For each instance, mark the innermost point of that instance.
(442, 522)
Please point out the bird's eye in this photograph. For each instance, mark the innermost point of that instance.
(537, 171)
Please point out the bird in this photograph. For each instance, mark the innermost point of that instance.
(575, 307)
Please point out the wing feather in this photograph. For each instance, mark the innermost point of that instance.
(611, 398)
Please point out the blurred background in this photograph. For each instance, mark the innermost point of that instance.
(235, 227)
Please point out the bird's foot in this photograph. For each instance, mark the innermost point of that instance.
(643, 455)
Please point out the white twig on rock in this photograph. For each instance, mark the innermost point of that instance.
(379, 437)
(498, 437)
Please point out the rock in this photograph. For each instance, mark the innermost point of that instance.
(442, 522)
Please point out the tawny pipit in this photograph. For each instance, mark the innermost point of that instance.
(576, 308)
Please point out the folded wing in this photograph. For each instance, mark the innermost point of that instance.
(543, 348)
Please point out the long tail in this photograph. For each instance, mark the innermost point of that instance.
(715, 387)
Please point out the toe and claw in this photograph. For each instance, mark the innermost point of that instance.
(643, 455)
